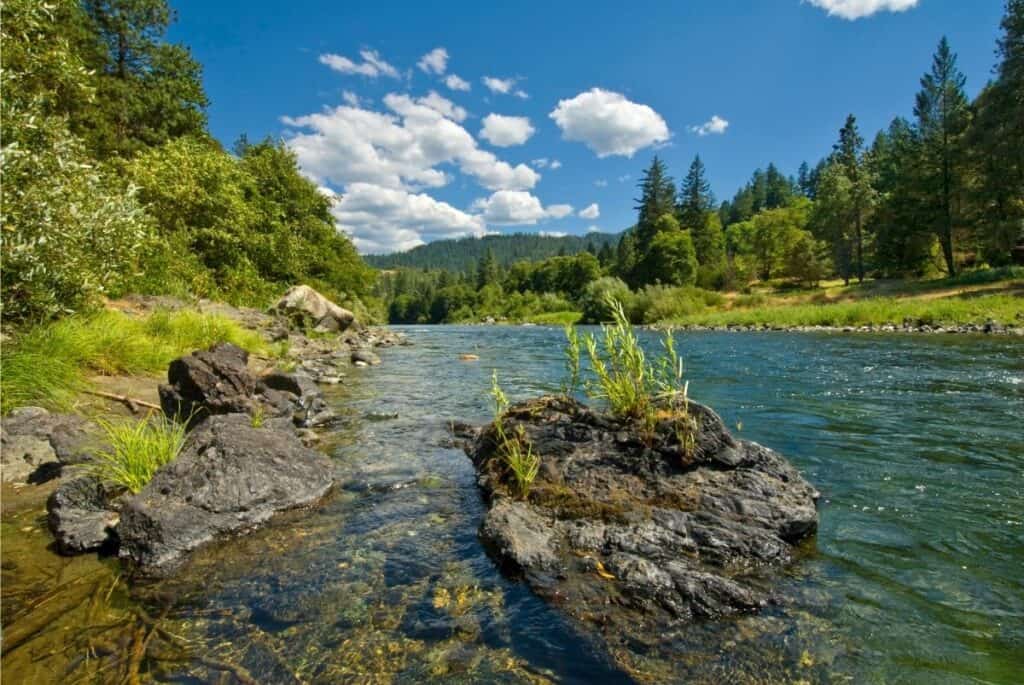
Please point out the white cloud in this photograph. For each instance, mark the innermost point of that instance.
(400, 149)
(593, 228)
(385, 219)
(545, 163)
(443, 106)
(555, 164)
(517, 207)
(372, 65)
(624, 178)
(434, 62)
(857, 9)
(455, 83)
(715, 124)
(351, 98)
(591, 211)
(608, 123)
(506, 131)
(553, 234)
(601, 183)
(504, 86)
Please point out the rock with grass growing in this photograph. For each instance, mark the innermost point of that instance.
(230, 477)
(639, 526)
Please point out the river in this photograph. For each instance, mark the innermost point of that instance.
(917, 573)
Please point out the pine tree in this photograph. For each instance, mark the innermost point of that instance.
(657, 198)
(803, 180)
(695, 197)
(849, 156)
(487, 272)
(942, 118)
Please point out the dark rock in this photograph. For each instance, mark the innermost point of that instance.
(229, 478)
(364, 357)
(631, 527)
(79, 516)
(208, 382)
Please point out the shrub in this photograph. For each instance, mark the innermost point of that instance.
(594, 302)
(137, 450)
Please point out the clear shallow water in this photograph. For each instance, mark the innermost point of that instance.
(917, 575)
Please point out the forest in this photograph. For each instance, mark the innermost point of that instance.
(932, 196)
(113, 183)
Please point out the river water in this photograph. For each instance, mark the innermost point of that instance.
(917, 573)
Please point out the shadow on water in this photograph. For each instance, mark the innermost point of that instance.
(915, 444)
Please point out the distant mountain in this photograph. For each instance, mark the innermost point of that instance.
(464, 253)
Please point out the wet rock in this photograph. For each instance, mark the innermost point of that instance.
(208, 382)
(365, 357)
(629, 527)
(229, 478)
(80, 517)
(26, 459)
(308, 309)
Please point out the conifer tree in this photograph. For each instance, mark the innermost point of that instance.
(695, 197)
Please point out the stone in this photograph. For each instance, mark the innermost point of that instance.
(306, 308)
(79, 516)
(229, 478)
(27, 458)
(629, 527)
(208, 382)
(365, 357)
(35, 444)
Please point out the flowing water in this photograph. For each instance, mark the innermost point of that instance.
(917, 574)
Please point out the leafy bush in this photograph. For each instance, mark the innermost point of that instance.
(664, 303)
(596, 297)
(137, 450)
(514, 449)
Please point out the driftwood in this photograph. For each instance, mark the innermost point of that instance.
(132, 403)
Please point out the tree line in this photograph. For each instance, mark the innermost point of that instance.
(113, 183)
(930, 195)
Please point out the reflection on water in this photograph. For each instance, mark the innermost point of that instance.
(915, 443)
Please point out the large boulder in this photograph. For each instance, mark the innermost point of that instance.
(639, 528)
(308, 309)
(230, 477)
(80, 517)
(208, 382)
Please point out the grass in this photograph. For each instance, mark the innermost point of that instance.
(48, 365)
(514, 449)
(565, 318)
(137, 450)
(877, 311)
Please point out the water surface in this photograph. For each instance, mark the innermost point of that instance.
(915, 442)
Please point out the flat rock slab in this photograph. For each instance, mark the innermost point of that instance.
(229, 478)
(635, 532)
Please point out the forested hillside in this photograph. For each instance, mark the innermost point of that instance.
(465, 253)
(112, 182)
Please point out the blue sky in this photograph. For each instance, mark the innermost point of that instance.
(598, 86)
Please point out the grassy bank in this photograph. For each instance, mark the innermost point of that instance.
(49, 365)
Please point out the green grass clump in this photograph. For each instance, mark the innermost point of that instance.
(47, 365)
(137, 449)
(566, 318)
(514, 449)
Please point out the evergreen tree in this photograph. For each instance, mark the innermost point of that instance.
(942, 119)
(803, 180)
(487, 272)
(849, 156)
(778, 191)
(695, 197)
(657, 198)
(709, 241)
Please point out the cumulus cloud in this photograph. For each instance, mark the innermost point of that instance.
(601, 183)
(505, 131)
(591, 211)
(545, 163)
(714, 125)
(372, 66)
(386, 219)
(443, 106)
(608, 123)
(517, 207)
(455, 83)
(858, 9)
(553, 234)
(434, 62)
(555, 164)
(351, 98)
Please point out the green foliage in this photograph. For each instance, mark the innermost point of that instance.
(137, 450)
(695, 197)
(672, 258)
(572, 360)
(765, 240)
(48, 364)
(514, 449)
(596, 297)
(656, 303)
(806, 260)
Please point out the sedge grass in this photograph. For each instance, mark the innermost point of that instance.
(514, 449)
(48, 365)
(137, 449)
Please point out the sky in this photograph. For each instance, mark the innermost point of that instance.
(431, 120)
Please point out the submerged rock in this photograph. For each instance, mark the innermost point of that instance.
(230, 477)
(632, 528)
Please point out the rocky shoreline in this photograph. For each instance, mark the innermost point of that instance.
(633, 531)
(248, 453)
(988, 328)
